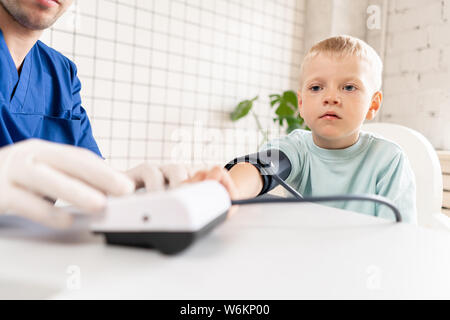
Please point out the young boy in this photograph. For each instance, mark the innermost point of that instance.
(340, 88)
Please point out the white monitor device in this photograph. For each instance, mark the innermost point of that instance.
(168, 221)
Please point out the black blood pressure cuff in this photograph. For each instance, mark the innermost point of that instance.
(268, 162)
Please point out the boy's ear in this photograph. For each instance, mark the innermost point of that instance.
(300, 102)
(375, 105)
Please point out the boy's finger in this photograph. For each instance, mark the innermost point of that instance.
(199, 176)
(228, 183)
(232, 211)
(220, 174)
(216, 173)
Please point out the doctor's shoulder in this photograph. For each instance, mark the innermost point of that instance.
(51, 56)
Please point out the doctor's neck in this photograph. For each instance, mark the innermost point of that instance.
(18, 38)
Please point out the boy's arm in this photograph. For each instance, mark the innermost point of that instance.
(398, 185)
(247, 180)
(242, 181)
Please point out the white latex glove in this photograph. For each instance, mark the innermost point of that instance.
(155, 178)
(34, 169)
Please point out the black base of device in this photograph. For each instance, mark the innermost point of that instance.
(165, 242)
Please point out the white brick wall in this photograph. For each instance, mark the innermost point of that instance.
(417, 68)
(325, 18)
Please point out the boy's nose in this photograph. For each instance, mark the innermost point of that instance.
(331, 100)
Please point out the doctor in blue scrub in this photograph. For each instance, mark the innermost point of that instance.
(47, 150)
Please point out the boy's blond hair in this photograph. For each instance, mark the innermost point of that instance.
(344, 46)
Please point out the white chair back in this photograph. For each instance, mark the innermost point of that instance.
(425, 165)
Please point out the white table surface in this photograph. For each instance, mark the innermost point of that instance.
(273, 251)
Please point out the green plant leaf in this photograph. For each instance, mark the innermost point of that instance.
(277, 119)
(293, 127)
(274, 98)
(291, 99)
(293, 123)
(242, 109)
(284, 109)
(287, 103)
(294, 120)
(273, 102)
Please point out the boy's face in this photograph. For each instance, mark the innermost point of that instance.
(336, 96)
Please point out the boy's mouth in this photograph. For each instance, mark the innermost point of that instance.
(330, 115)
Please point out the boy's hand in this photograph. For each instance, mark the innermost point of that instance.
(242, 181)
(219, 174)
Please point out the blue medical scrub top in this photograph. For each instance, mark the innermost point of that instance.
(44, 102)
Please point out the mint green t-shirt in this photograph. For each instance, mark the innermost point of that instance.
(372, 165)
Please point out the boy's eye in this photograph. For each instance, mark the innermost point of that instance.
(349, 87)
(315, 88)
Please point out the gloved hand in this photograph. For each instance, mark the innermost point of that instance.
(34, 169)
(155, 178)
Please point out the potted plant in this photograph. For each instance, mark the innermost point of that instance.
(286, 110)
